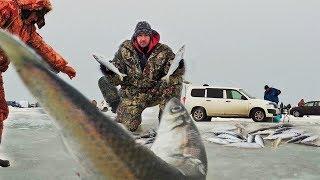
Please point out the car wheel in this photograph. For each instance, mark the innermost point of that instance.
(296, 113)
(199, 114)
(258, 115)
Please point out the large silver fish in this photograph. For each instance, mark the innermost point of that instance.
(103, 148)
(179, 142)
(102, 60)
(310, 139)
(175, 63)
(228, 136)
(224, 132)
(238, 135)
(297, 131)
(279, 126)
(282, 136)
(245, 145)
(265, 132)
(234, 140)
(217, 140)
(258, 139)
(282, 130)
(250, 138)
(299, 138)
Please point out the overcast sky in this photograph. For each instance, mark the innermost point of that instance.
(242, 43)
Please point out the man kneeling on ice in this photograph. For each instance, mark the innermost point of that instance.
(145, 61)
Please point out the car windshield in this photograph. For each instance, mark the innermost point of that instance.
(244, 92)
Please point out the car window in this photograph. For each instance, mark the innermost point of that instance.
(214, 93)
(246, 93)
(317, 103)
(197, 92)
(309, 104)
(233, 94)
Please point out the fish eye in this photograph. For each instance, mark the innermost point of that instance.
(176, 109)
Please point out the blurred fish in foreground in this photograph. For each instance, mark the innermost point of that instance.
(104, 149)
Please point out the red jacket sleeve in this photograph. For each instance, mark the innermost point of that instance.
(4, 16)
(47, 52)
(4, 61)
(4, 110)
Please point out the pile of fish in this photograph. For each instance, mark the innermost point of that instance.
(234, 139)
(238, 137)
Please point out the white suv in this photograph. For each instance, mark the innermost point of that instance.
(203, 102)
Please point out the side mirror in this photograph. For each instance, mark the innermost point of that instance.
(243, 97)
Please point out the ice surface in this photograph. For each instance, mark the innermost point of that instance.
(33, 144)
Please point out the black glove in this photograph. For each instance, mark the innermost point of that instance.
(105, 71)
(181, 64)
(114, 105)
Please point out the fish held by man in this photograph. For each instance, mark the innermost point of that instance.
(102, 60)
(175, 63)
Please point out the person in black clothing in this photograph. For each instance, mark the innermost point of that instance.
(271, 94)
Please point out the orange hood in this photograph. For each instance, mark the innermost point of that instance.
(35, 5)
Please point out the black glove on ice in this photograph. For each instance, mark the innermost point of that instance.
(105, 71)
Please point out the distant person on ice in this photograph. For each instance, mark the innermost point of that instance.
(271, 94)
(301, 103)
(145, 61)
(20, 18)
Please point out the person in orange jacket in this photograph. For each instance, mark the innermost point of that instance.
(20, 17)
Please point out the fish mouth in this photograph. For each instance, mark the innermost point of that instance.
(100, 144)
(176, 109)
(174, 106)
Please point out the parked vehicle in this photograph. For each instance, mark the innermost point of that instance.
(309, 108)
(13, 104)
(24, 104)
(34, 105)
(204, 102)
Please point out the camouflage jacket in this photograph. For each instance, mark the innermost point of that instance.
(149, 79)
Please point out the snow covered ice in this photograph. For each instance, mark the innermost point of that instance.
(35, 148)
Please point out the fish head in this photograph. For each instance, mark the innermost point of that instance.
(98, 56)
(174, 143)
(174, 116)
